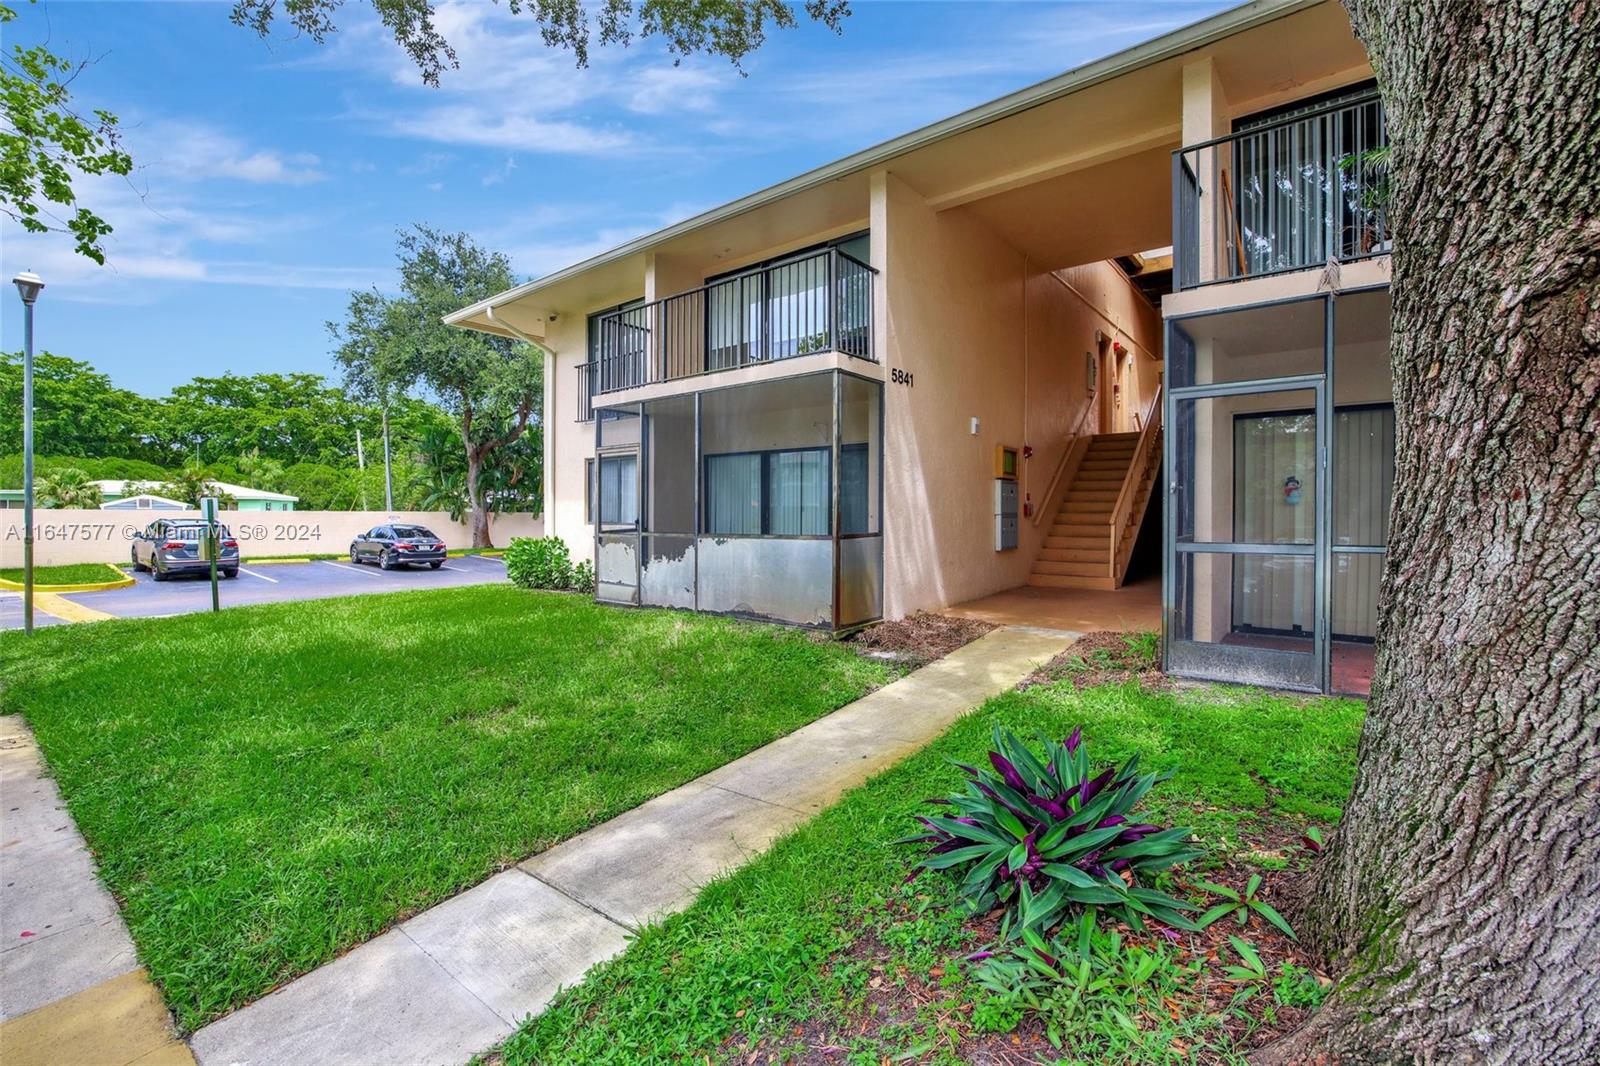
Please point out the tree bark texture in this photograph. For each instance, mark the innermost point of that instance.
(1461, 893)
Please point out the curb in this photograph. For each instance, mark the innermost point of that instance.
(121, 582)
(52, 603)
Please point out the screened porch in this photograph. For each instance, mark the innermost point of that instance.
(761, 500)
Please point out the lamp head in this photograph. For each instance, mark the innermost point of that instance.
(28, 284)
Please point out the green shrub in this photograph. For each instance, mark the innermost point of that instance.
(1045, 836)
(539, 564)
(583, 578)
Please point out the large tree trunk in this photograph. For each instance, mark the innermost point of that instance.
(478, 516)
(1461, 894)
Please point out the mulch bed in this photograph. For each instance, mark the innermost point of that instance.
(1100, 658)
(918, 639)
(897, 998)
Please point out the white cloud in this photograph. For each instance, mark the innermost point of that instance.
(489, 127)
(496, 177)
(661, 89)
(195, 152)
(427, 163)
(163, 237)
(511, 91)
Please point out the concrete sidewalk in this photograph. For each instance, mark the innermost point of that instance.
(457, 979)
(71, 989)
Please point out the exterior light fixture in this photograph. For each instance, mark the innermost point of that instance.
(28, 286)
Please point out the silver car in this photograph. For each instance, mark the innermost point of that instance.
(170, 546)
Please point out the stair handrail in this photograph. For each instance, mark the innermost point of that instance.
(1130, 480)
(1075, 437)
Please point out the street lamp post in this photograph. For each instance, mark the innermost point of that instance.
(28, 285)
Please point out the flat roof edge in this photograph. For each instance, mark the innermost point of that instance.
(1175, 42)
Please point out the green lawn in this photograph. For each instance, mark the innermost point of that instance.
(71, 574)
(270, 786)
(779, 948)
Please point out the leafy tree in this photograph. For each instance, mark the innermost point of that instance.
(260, 471)
(373, 372)
(44, 143)
(493, 387)
(320, 487)
(287, 417)
(77, 411)
(190, 485)
(67, 487)
(728, 28)
(513, 476)
(1461, 893)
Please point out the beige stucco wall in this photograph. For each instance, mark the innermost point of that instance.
(986, 335)
(63, 536)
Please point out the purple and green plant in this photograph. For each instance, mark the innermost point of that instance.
(1045, 837)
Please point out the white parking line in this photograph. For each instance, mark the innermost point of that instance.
(348, 568)
(252, 573)
(457, 569)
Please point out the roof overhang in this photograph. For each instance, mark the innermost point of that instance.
(482, 315)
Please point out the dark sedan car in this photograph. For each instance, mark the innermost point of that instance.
(170, 546)
(392, 546)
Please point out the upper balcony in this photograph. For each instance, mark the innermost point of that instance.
(813, 303)
(1282, 195)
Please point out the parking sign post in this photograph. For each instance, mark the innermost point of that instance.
(208, 511)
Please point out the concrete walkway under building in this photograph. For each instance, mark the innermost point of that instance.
(458, 978)
(1135, 607)
(71, 988)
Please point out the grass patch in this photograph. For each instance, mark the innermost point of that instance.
(801, 949)
(270, 786)
(70, 574)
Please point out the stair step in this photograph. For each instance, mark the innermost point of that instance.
(1103, 465)
(1045, 566)
(1098, 555)
(1070, 581)
(1130, 435)
(1094, 543)
(1064, 528)
(1077, 495)
(1085, 512)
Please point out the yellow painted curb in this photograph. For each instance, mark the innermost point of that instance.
(67, 610)
(120, 1022)
(121, 582)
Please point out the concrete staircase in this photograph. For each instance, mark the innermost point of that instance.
(1097, 517)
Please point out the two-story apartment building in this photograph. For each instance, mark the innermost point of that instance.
(1150, 293)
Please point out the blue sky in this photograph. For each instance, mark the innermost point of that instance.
(271, 176)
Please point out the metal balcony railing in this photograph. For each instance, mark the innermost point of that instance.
(1283, 195)
(818, 302)
(586, 392)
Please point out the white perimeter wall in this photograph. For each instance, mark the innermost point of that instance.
(95, 536)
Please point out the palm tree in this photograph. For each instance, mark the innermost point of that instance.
(445, 491)
(67, 487)
(192, 484)
(259, 471)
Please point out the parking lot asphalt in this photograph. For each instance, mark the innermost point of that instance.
(263, 583)
(11, 613)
